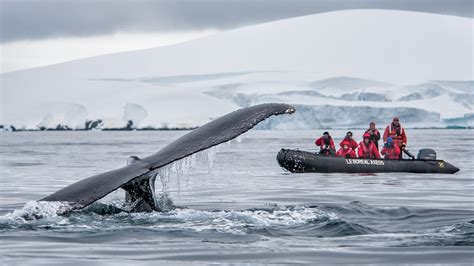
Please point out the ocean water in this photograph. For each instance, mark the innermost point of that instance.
(234, 204)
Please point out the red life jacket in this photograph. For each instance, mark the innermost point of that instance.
(351, 142)
(365, 150)
(392, 153)
(349, 153)
(368, 152)
(396, 133)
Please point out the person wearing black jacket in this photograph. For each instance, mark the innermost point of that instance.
(374, 134)
(405, 151)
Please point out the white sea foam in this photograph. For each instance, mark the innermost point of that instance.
(40, 209)
(237, 221)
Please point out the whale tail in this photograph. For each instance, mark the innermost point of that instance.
(138, 177)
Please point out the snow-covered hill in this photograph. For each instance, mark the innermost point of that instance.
(342, 69)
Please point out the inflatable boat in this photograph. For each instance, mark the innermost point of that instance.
(297, 161)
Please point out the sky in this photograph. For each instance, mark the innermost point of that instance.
(41, 32)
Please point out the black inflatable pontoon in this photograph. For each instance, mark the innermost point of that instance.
(297, 161)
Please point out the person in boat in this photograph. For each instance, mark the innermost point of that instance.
(374, 134)
(346, 151)
(327, 144)
(396, 132)
(348, 138)
(404, 150)
(367, 149)
(390, 150)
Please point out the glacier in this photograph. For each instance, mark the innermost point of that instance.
(341, 69)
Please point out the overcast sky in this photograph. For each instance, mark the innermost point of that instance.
(35, 32)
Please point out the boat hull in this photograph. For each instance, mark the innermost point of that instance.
(297, 161)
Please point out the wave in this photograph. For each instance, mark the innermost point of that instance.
(354, 222)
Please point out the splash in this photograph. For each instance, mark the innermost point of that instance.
(40, 209)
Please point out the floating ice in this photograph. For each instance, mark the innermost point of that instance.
(66, 116)
(134, 113)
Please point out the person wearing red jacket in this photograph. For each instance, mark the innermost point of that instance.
(346, 151)
(327, 144)
(396, 132)
(348, 138)
(374, 134)
(367, 149)
(390, 150)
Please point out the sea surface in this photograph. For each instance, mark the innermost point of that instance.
(234, 204)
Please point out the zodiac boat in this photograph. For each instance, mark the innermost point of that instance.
(297, 161)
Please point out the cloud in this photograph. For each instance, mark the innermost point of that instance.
(33, 19)
(27, 54)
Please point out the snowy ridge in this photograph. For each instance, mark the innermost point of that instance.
(343, 69)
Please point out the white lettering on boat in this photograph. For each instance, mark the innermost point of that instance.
(364, 161)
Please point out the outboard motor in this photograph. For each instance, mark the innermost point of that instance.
(426, 154)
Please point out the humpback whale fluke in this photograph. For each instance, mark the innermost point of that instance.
(138, 177)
